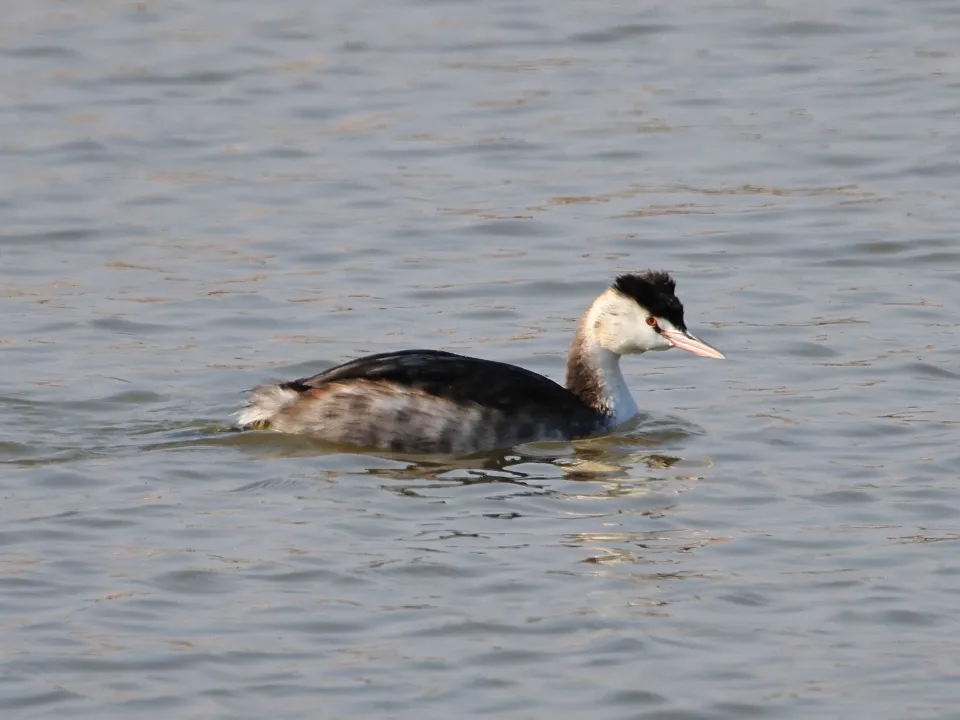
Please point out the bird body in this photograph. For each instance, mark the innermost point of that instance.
(430, 401)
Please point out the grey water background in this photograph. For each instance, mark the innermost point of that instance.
(197, 197)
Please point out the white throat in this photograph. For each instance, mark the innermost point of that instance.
(616, 394)
(593, 372)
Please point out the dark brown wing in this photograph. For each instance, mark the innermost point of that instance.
(507, 388)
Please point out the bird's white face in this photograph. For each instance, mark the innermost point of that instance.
(620, 325)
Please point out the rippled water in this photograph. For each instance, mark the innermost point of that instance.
(198, 197)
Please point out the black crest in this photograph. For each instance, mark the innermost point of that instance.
(654, 291)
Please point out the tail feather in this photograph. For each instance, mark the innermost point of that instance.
(265, 402)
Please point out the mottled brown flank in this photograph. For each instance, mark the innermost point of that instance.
(387, 416)
(426, 401)
(359, 404)
(447, 437)
(334, 414)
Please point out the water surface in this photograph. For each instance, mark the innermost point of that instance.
(200, 197)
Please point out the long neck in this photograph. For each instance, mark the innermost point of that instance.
(593, 375)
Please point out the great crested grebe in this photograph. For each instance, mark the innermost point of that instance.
(430, 401)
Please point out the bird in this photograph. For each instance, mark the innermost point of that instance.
(438, 402)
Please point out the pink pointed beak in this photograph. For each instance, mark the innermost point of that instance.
(686, 341)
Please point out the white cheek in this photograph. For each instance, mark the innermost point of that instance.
(656, 341)
(614, 335)
(640, 338)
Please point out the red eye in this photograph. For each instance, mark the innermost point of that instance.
(651, 321)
